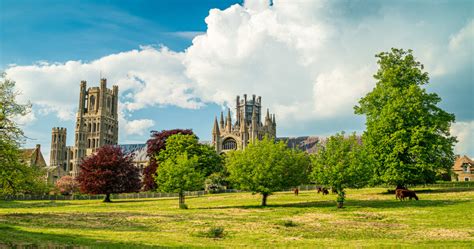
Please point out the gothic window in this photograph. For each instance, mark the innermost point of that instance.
(92, 102)
(229, 144)
(109, 103)
(93, 127)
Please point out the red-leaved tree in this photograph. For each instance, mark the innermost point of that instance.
(155, 144)
(107, 172)
(67, 185)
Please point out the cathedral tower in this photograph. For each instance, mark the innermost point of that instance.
(247, 127)
(59, 153)
(96, 121)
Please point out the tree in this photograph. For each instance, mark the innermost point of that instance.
(155, 144)
(67, 185)
(178, 175)
(15, 175)
(407, 134)
(265, 167)
(208, 161)
(108, 171)
(342, 163)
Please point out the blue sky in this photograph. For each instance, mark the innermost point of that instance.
(179, 63)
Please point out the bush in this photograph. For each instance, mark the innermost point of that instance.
(289, 223)
(214, 232)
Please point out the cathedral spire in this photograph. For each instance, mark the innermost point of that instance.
(215, 130)
(228, 121)
(222, 120)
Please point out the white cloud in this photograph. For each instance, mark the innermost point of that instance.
(307, 60)
(25, 120)
(138, 126)
(464, 131)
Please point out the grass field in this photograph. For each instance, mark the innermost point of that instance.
(442, 218)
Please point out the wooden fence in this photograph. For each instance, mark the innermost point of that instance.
(142, 195)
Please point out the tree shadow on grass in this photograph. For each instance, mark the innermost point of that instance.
(350, 203)
(12, 237)
(35, 204)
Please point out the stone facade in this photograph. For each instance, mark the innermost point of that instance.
(96, 126)
(227, 136)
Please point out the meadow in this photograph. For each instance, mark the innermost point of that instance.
(371, 218)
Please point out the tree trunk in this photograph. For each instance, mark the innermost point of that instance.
(264, 199)
(340, 204)
(107, 198)
(181, 199)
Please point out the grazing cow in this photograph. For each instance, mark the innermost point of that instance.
(325, 191)
(334, 191)
(398, 194)
(405, 193)
(296, 191)
(319, 189)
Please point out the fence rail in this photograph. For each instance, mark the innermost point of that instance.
(143, 195)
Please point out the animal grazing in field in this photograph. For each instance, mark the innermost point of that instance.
(322, 190)
(296, 191)
(334, 191)
(325, 191)
(405, 193)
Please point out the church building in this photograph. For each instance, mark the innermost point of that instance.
(248, 126)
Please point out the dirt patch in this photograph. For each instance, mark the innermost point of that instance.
(441, 233)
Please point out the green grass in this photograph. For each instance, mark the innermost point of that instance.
(442, 218)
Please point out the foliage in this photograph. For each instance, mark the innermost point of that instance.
(155, 144)
(108, 171)
(208, 161)
(178, 175)
(342, 163)
(9, 109)
(265, 167)
(15, 175)
(67, 185)
(216, 182)
(407, 134)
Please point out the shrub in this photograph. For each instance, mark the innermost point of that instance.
(289, 223)
(214, 232)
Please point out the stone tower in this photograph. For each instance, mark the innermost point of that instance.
(59, 151)
(96, 121)
(248, 126)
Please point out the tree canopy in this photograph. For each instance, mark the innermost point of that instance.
(208, 161)
(155, 144)
(342, 163)
(265, 167)
(179, 174)
(108, 171)
(15, 175)
(407, 134)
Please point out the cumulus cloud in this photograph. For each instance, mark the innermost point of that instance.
(307, 59)
(464, 131)
(138, 126)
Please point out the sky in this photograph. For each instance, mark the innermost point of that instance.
(178, 63)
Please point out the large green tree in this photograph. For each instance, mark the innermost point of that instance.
(208, 161)
(265, 167)
(179, 174)
(407, 134)
(15, 175)
(341, 163)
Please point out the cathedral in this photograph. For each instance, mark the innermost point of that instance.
(96, 126)
(248, 126)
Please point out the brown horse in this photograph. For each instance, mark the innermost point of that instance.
(325, 191)
(296, 191)
(405, 193)
(319, 190)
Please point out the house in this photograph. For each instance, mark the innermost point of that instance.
(463, 169)
(33, 157)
